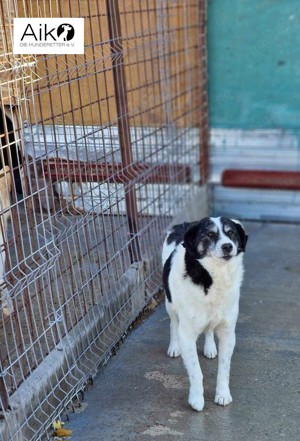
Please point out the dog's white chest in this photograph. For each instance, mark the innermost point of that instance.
(209, 309)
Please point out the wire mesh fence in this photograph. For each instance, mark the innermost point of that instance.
(99, 152)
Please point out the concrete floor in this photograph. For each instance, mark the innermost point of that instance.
(142, 394)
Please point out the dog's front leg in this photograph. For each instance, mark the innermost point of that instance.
(226, 337)
(188, 347)
(173, 350)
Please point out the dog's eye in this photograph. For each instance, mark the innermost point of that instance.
(211, 234)
(230, 233)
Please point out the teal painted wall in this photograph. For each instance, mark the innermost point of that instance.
(254, 63)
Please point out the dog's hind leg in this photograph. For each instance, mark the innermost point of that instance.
(173, 350)
(188, 346)
(210, 349)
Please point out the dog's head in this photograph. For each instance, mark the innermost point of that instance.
(220, 237)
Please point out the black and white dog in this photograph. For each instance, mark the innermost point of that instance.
(202, 275)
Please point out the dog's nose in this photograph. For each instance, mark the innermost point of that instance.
(227, 248)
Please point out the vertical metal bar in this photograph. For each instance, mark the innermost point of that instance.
(4, 404)
(115, 35)
(203, 104)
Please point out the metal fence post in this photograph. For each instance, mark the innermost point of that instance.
(115, 35)
(4, 403)
(203, 102)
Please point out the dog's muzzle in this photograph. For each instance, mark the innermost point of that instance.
(227, 249)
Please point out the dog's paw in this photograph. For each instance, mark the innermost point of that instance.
(173, 351)
(223, 398)
(210, 350)
(196, 400)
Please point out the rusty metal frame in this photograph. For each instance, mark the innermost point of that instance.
(204, 123)
(134, 172)
(115, 34)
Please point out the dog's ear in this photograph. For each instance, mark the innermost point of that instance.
(243, 237)
(191, 241)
